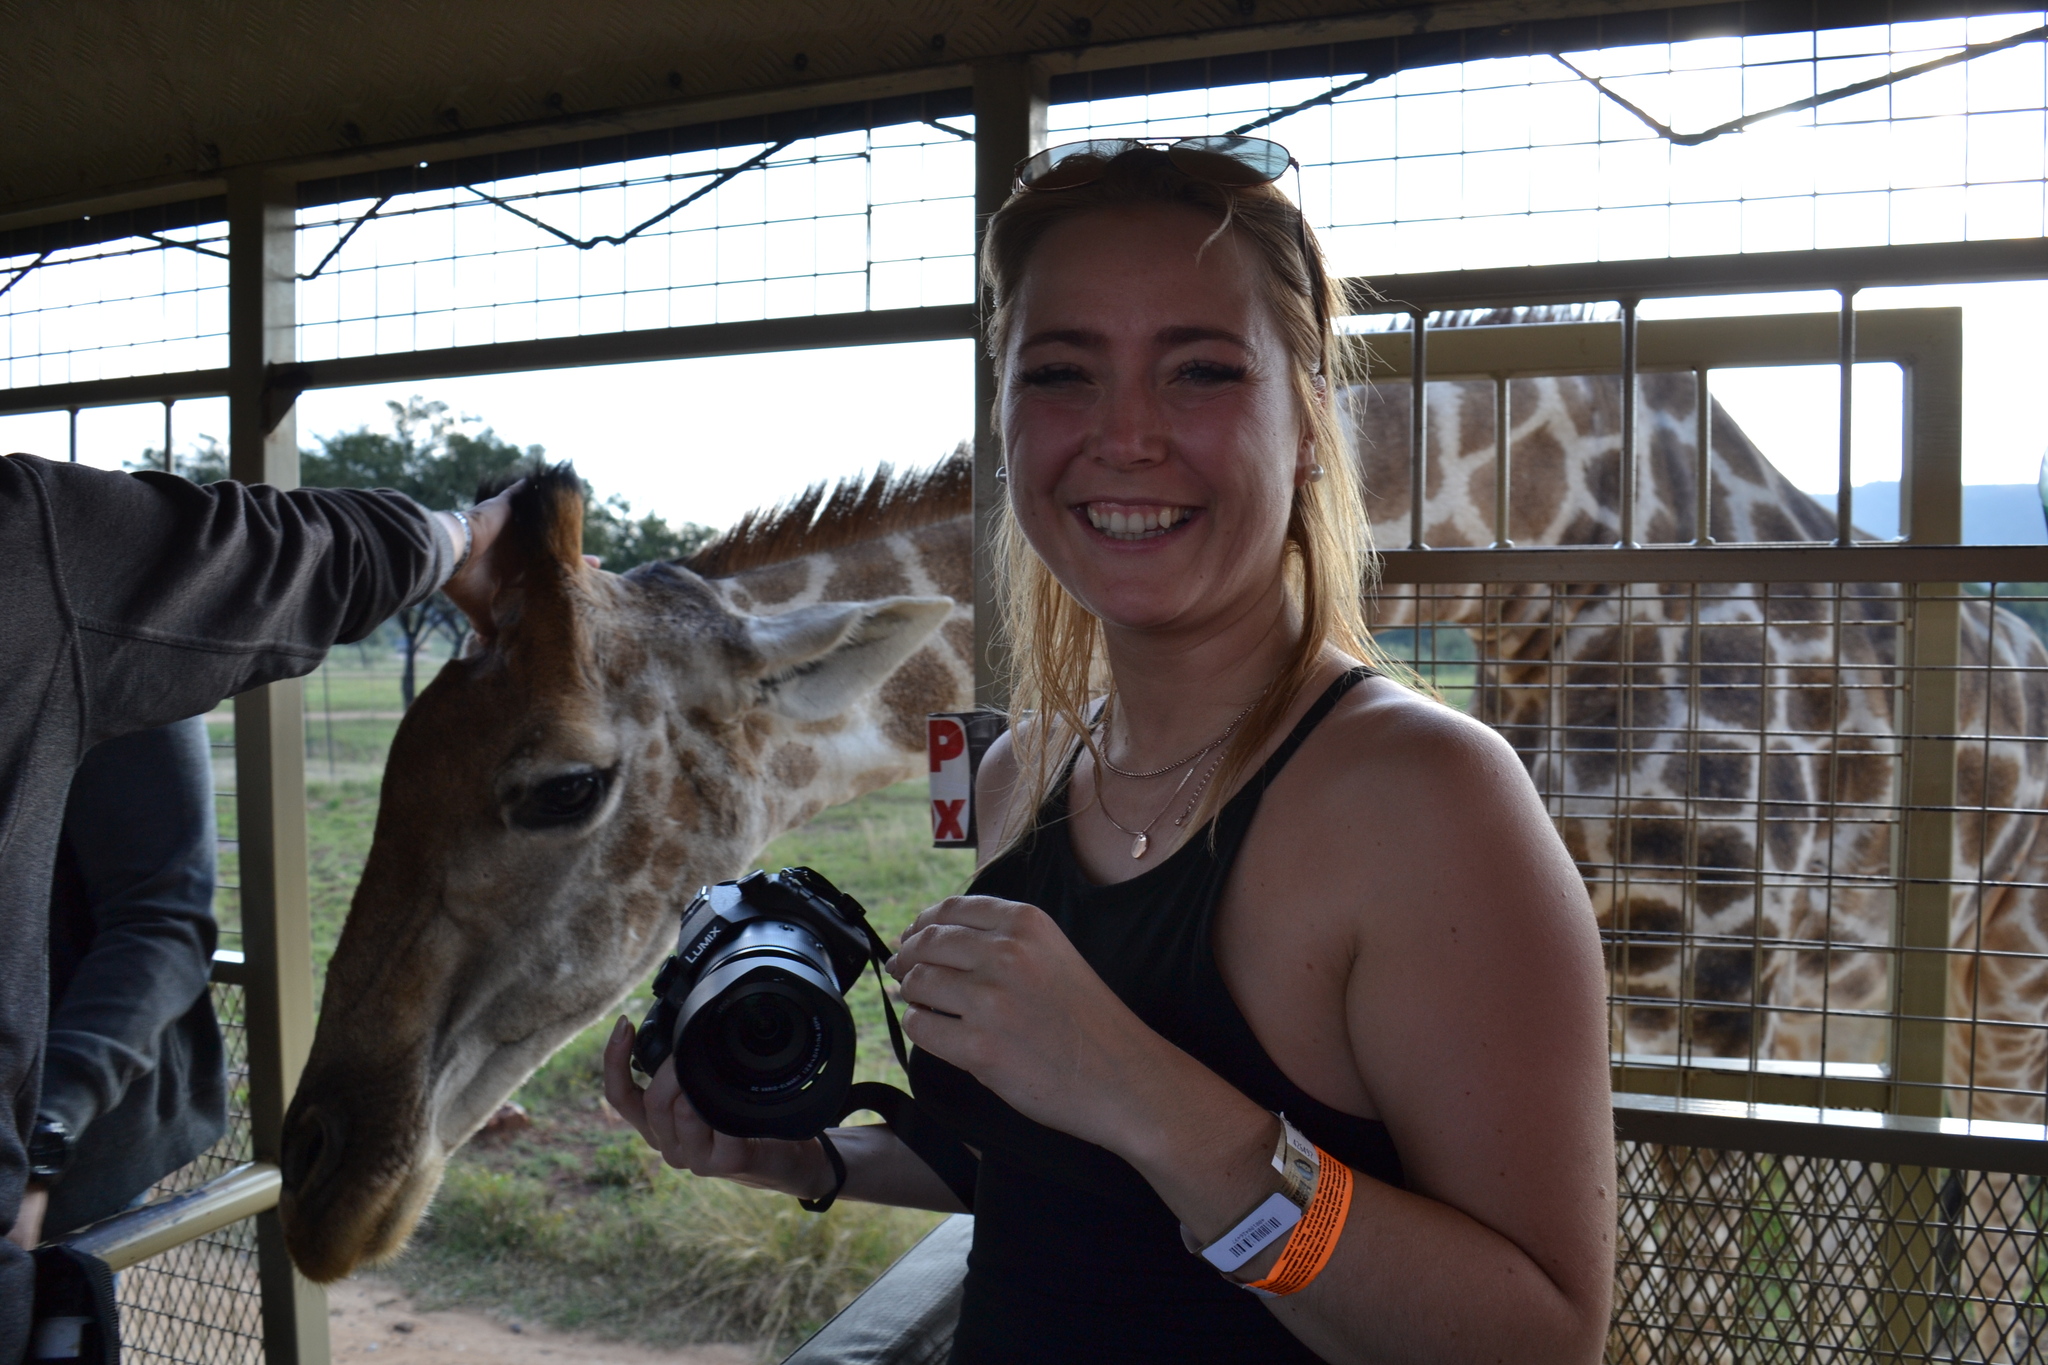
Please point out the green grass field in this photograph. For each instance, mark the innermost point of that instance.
(574, 1222)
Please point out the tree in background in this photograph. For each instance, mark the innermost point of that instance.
(208, 462)
(439, 461)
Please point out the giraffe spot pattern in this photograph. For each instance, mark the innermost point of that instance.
(863, 573)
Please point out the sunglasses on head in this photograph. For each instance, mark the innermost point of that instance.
(1232, 162)
(1227, 160)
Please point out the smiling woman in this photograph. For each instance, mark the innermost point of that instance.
(1334, 1034)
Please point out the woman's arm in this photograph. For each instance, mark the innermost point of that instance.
(1475, 1008)
(1473, 1003)
(879, 1168)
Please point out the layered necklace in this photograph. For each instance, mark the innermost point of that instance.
(1141, 839)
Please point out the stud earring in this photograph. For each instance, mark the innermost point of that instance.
(1315, 473)
(1002, 473)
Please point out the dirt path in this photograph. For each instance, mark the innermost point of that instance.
(374, 1317)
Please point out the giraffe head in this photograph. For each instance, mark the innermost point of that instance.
(550, 801)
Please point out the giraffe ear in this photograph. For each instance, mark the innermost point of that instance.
(817, 661)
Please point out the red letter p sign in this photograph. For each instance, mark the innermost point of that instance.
(947, 740)
(954, 741)
(952, 779)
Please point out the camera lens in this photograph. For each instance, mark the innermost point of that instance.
(767, 1039)
(764, 1042)
(762, 1031)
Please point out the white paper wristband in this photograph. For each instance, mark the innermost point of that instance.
(1259, 1230)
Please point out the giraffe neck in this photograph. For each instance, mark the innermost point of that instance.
(881, 741)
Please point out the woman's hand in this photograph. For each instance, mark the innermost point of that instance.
(665, 1118)
(27, 1232)
(995, 988)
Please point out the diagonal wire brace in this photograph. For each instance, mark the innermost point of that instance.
(188, 246)
(1335, 93)
(22, 273)
(335, 250)
(1736, 125)
(583, 244)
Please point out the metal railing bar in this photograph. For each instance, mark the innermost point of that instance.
(1703, 454)
(1845, 530)
(1769, 1066)
(1418, 427)
(946, 322)
(1814, 563)
(1628, 424)
(138, 1234)
(1833, 1134)
(109, 393)
(1749, 272)
(1503, 483)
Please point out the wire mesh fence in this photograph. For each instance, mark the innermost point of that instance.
(1811, 818)
(872, 218)
(1531, 159)
(145, 304)
(1757, 1257)
(201, 1302)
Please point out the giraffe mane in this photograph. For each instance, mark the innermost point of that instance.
(833, 516)
(1488, 317)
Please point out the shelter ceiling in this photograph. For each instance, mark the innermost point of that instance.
(101, 96)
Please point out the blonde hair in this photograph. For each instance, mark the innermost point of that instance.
(1053, 645)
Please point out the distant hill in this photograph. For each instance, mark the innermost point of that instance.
(1993, 513)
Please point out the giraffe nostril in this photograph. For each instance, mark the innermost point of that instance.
(312, 1144)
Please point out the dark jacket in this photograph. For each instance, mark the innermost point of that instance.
(127, 602)
(133, 1064)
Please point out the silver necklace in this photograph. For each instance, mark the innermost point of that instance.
(1141, 839)
(1102, 723)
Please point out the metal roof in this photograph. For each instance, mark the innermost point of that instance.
(114, 105)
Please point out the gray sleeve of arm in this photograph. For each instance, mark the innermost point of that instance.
(179, 595)
(140, 823)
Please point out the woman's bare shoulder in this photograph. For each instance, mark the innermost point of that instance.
(1426, 795)
(995, 784)
(1383, 731)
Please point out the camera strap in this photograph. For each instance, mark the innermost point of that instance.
(931, 1141)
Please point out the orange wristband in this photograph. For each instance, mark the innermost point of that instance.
(1315, 1236)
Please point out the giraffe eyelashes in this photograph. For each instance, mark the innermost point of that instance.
(566, 799)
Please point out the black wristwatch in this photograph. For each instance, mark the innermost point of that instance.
(50, 1145)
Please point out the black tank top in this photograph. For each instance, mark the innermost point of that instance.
(1075, 1258)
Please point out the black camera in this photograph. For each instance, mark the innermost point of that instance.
(753, 1004)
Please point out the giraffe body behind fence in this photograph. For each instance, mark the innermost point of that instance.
(1725, 760)
(1728, 763)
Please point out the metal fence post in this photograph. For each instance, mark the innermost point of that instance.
(1932, 492)
(270, 754)
(1009, 125)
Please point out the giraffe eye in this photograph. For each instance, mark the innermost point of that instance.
(564, 800)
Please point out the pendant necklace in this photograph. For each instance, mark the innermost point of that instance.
(1141, 839)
